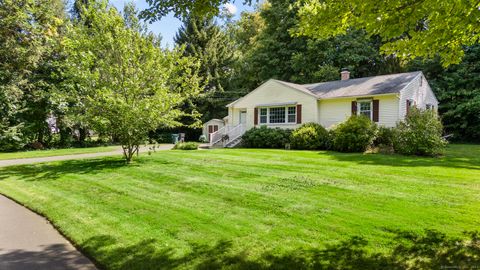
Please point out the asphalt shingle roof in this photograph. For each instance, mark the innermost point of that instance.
(376, 85)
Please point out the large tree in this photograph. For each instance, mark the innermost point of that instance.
(277, 54)
(206, 41)
(29, 35)
(129, 85)
(416, 28)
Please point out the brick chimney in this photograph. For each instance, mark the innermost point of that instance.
(345, 74)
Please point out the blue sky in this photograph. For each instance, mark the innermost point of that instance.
(169, 25)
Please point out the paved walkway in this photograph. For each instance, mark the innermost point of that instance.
(22, 161)
(28, 241)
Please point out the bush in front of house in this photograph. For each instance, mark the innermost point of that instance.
(354, 135)
(186, 146)
(420, 134)
(310, 136)
(264, 137)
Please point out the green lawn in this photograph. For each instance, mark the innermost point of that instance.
(255, 209)
(57, 152)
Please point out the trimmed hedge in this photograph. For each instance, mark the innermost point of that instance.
(420, 134)
(264, 137)
(310, 136)
(354, 135)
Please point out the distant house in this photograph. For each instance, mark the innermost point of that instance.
(385, 99)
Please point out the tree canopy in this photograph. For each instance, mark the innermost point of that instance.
(418, 28)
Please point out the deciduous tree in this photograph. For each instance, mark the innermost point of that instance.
(129, 85)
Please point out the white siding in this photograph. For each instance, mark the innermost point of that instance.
(335, 111)
(420, 92)
(273, 92)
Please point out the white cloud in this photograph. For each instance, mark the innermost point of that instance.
(231, 8)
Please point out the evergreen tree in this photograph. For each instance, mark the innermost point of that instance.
(206, 41)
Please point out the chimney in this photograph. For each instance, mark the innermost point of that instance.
(345, 74)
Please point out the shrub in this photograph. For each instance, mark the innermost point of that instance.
(264, 137)
(384, 136)
(202, 139)
(354, 135)
(186, 146)
(420, 134)
(310, 136)
(11, 139)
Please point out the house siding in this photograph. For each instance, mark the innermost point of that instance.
(273, 92)
(335, 111)
(420, 92)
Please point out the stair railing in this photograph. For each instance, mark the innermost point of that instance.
(236, 132)
(218, 135)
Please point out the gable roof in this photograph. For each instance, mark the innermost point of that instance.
(376, 85)
(287, 84)
(368, 86)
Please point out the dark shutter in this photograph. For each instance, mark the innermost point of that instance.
(375, 110)
(255, 116)
(299, 113)
(408, 105)
(354, 107)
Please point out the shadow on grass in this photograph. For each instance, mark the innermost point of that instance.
(51, 171)
(430, 250)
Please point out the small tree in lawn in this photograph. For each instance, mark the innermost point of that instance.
(128, 84)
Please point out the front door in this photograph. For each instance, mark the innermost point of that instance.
(243, 117)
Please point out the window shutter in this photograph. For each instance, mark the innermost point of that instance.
(255, 116)
(299, 113)
(354, 107)
(375, 110)
(408, 106)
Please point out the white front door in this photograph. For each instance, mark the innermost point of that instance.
(243, 117)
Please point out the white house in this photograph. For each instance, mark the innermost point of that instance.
(385, 99)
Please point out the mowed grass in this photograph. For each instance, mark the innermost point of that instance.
(254, 209)
(57, 152)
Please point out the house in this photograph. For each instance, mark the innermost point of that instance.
(385, 99)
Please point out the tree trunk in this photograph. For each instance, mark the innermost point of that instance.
(82, 135)
(129, 151)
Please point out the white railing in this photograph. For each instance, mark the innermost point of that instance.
(231, 132)
(236, 132)
(218, 135)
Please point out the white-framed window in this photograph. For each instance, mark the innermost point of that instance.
(292, 114)
(365, 108)
(430, 106)
(263, 115)
(278, 115)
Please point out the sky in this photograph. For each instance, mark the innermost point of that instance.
(169, 25)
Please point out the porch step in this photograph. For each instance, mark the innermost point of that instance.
(234, 143)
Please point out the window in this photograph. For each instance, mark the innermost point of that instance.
(365, 108)
(263, 115)
(430, 106)
(292, 114)
(278, 115)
